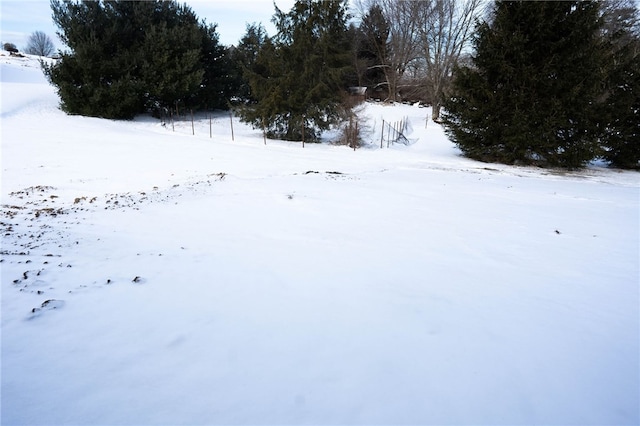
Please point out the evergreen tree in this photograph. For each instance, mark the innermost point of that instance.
(359, 64)
(220, 80)
(130, 57)
(245, 57)
(532, 93)
(299, 76)
(375, 46)
(170, 61)
(621, 125)
(87, 85)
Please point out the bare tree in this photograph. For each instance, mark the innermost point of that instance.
(425, 38)
(399, 50)
(403, 26)
(444, 31)
(40, 44)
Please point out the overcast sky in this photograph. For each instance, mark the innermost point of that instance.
(20, 18)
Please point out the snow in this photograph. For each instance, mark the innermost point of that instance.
(280, 285)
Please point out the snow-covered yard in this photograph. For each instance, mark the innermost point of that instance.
(150, 276)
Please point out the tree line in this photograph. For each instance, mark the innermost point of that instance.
(549, 83)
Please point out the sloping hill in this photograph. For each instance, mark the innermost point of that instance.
(154, 276)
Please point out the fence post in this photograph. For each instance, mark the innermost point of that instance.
(382, 135)
(193, 130)
(303, 131)
(264, 132)
(355, 137)
(231, 120)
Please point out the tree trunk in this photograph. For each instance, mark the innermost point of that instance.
(435, 111)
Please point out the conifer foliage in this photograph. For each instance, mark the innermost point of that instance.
(374, 48)
(130, 57)
(533, 93)
(298, 75)
(621, 127)
(245, 56)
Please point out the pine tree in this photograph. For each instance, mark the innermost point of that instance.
(375, 46)
(245, 56)
(220, 80)
(621, 125)
(170, 56)
(532, 93)
(298, 77)
(130, 57)
(83, 82)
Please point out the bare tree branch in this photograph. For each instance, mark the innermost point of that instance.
(444, 31)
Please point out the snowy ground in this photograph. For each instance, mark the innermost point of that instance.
(150, 276)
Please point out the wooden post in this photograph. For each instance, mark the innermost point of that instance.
(171, 117)
(231, 119)
(355, 137)
(382, 135)
(264, 132)
(210, 130)
(348, 131)
(388, 133)
(303, 131)
(193, 130)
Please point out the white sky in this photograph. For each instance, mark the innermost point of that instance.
(20, 18)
